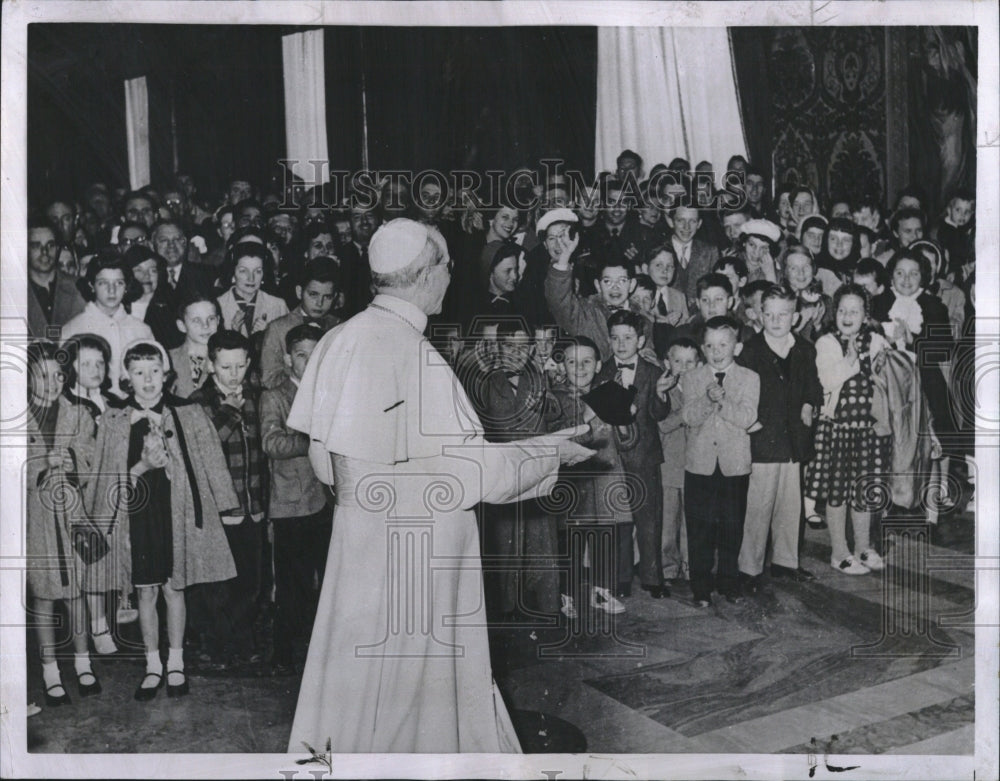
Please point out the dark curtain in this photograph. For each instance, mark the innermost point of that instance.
(229, 98)
(476, 98)
(444, 98)
(754, 90)
(76, 130)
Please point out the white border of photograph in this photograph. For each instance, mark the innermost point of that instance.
(16, 762)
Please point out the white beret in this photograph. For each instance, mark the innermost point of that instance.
(152, 343)
(397, 244)
(762, 228)
(556, 215)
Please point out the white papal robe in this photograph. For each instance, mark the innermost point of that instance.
(399, 657)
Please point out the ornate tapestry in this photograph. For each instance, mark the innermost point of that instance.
(828, 92)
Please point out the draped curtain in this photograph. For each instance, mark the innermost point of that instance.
(137, 131)
(305, 99)
(754, 90)
(664, 93)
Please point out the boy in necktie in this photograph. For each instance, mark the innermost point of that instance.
(642, 462)
(720, 404)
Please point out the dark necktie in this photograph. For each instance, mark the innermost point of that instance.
(197, 367)
(247, 309)
(172, 277)
(661, 304)
(720, 376)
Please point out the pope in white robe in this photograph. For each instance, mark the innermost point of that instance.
(399, 656)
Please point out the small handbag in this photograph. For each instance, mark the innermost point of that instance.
(126, 613)
(89, 541)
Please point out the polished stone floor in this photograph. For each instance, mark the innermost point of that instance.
(842, 664)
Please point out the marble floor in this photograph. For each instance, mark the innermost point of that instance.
(841, 664)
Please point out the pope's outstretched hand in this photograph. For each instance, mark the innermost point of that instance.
(571, 452)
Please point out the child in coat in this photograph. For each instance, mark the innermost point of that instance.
(83, 401)
(298, 506)
(48, 530)
(161, 483)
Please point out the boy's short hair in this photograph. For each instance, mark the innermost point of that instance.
(867, 202)
(580, 341)
(721, 323)
(686, 342)
(628, 154)
(779, 293)
(906, 214)
(755, 287)
(713, 279)
(645, 282)
(868, 267)
(738, 264)
(320, 269)
(655, 249)
(507, 327)
(612, 262)
(196, 297)
(626, 317)
(314, 229)
(225, 339)
(304, 332)
(731, 212)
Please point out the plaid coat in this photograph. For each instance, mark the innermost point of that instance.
(239, 431)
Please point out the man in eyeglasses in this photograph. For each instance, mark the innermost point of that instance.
(53, 299)
(181, 277)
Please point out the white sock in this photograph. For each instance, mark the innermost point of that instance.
(98, 626)
(153, 662)
(82, 663)
(175, 659)
(50, 674)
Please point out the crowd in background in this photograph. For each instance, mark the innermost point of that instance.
(750, 362)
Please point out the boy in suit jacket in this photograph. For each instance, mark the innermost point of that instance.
(298, 509)
(683, 355)
(720, 404)
(642, 463)
(695, 257)
(317, 292)
(790, 393)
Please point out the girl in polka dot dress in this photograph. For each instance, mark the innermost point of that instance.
(850, 457)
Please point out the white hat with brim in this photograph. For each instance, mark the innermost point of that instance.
(556, 215)
(764, 229)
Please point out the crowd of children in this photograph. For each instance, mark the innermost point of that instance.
(175, 475)
(742, 372)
